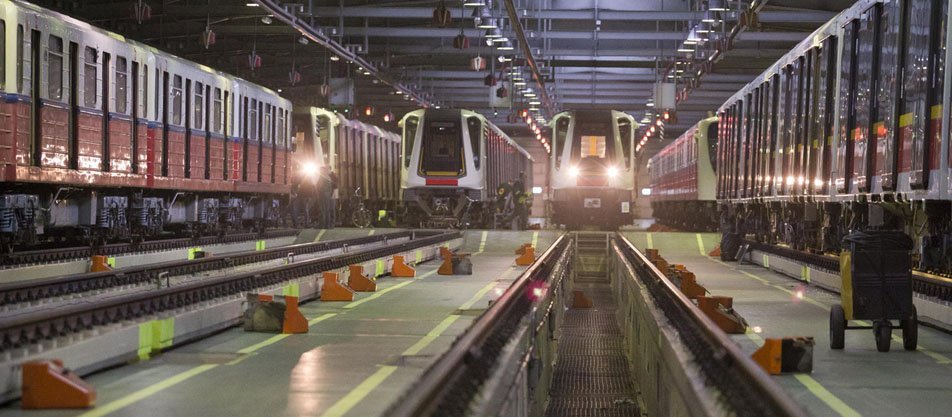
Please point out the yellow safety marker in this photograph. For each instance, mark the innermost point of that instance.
(111, 261)
(482, 241)
(320, 234)
(431, 335)
(191, 252)
(650, 243)
(357, 394)
(260, 245)
(700, 245)
(814, 386)
(535, 239)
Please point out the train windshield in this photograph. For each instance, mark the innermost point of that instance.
(595, 141)
(441, 149)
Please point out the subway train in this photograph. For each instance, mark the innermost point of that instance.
(682, 180)
(454, 161)
(592, 169)
(365, 158)
(848, 131)
(107, 138)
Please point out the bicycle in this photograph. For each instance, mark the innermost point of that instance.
(361, 216)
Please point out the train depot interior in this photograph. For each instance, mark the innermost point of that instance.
(479, 208)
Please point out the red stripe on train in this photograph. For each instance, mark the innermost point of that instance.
(441, 181)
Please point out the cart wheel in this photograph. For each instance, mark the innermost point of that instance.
(837, 327)
(910, 330)
(883, 332)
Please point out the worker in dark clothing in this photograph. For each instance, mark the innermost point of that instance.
(520, 210)
(325, 198)
(520, 185)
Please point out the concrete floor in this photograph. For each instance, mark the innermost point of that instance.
(356, 360)
(852, 382)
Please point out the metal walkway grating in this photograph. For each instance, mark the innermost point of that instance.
(592, 376)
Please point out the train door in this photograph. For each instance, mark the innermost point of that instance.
(865, 105)
(825, 108)
(164, 93)
(887, 94)
(35, 105)
(106, 94)
(136, 114)
(844, 149)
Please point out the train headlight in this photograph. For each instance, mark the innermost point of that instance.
(612, 172)
(573, 171)
(309, 169)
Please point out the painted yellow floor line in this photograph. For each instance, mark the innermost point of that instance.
(267, 342)
(826, 396)
(482, 241)
(535, 239)
(378, 294)
(320, 235)
(700, 244)
(650, 243)
(320, 318)
(357, 394)
(371, 232)
(481, 293)
(431, 336)
(146, 392)
(813, 385)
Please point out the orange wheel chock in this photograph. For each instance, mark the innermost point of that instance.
(527, 257)
(580, 300)
(99, 264)
(400, 268)
(789, 354)
(333, 290)
(720, 310)
(716, 252)
(445, 252)
(47, 384)
(360, 282)
(689, 285)
(651, 254)
(293, 321)
(446, 268)
(522, 249)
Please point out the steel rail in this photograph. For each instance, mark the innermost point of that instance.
(35, 256)
(446, 388)
(923, 283)
(28, 329)
(746, 388)
(39, 289)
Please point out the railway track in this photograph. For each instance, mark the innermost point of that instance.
(41, 256)
(26, 330)
(924, 283)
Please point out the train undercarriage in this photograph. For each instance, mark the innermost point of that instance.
(449, 208)
(687, 215)
(820, 226)
(34, 215)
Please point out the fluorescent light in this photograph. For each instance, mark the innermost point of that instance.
(252, 4)
(501, 39)
(685, 50)
(335, 58)
(474, 4)
(535, 102)
(505, 48)
(487, 25)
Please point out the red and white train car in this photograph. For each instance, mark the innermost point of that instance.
(109, 138)
(682, 179)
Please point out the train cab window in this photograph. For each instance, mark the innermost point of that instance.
(410, 127)
(475, 134)
(625, 135)
(177, 100)
(441, 148)
(90, 58)
(561, 132)
(198, 107)
(3, 53)
(122, 84)
(217, 109)
(54, 68)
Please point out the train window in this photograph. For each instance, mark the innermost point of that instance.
(3, 53)
(145, 91)
(409, 137)
(21, 80)
(865, 86)
(217, 110)
(475, 134)
(626, 137)
(561, 132)
(844, 155)
(441, 148)
(198, 107)
(122, 84)
(177, 100)
(253, 120)
(282, 127)
(54, 68)
(89, 76)
(712, 144)
(268, 119)
(887, 92)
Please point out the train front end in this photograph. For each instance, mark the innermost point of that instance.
(440, 179)
(592, 172)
